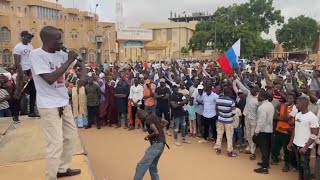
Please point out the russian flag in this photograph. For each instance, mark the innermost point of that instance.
(229, 60)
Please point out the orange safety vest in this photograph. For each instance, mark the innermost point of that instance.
(281, 125)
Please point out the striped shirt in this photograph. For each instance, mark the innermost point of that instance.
(4, 104)
(225, 106)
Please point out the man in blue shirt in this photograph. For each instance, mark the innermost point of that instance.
(209, 113)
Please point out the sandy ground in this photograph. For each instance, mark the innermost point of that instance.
(114, 153)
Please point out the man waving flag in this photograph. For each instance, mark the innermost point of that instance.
(229, 60)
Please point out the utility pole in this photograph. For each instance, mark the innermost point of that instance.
(95, 26)
(180, 34)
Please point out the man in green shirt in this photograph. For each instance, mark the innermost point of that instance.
(93, 99)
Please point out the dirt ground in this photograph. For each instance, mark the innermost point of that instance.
(114, 153)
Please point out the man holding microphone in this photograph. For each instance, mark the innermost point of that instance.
(48, 65)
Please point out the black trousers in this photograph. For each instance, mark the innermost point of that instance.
(163, 109)
(207, 123)
(263, 141)
(93, 113)
(32, 92)
(14, 107)
(134, 110)
(303, 163)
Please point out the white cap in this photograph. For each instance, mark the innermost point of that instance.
(200, 87)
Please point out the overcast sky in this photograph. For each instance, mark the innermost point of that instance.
(137, 11)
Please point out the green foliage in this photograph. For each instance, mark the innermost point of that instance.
(184, 50)
(299, 33)
(246, 21)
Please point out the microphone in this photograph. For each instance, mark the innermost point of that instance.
(64, 49)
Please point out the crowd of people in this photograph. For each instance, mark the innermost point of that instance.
(274, 107)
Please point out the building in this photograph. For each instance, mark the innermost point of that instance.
(195, 16)
(168, 39)
(82, 32)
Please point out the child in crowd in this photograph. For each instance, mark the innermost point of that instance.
(238, 131)
(190, 108)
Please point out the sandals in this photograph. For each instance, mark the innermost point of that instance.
(252, 157)
(286, 169)
(232, 154)
(218, 151)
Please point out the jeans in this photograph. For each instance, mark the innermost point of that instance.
(238, 135)
(207, 123)
(150, 109)
(5, 112)
(125, 117)
(263, 140)
(200, 124)
(177, 122)
(150, 161)
(303, 162)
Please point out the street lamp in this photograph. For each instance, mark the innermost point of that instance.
(95, 26)
(180, 34)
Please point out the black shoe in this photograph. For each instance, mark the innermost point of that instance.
(98, 127)
(70, 172)
(260, 164)
(87, 127)
(33, 115)
(261, 170)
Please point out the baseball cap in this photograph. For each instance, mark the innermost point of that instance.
(26, 34)
(200, 87)
(162, 80)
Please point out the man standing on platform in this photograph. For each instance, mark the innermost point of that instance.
(48, 66)
(21, 60)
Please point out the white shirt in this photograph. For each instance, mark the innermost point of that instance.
(209, 105)
(48, 96)
(265, 117)
(302, 132)
(23, 51)
(136, 93)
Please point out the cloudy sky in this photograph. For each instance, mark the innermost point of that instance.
(137, 11)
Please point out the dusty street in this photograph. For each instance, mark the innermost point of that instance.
(114, 153)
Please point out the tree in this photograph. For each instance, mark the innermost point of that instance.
(184, 50)
(246, 21)
(299, 33)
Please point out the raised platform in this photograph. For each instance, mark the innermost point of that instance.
(22, 151)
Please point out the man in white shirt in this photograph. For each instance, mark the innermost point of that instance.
(263, 132)
(48, 66)
(250, 113)
(303, 137)
(21, 59)
(135, 96)
(209, 113)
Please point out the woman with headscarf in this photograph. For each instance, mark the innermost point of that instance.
(79, 102)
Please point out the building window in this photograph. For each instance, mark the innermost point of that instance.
(91, 37)
(25, 10)
(5, 34)
(47, 13)
(91, 56)
(74, 34)
(12, 8)
(19, 9)
(6, 57)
